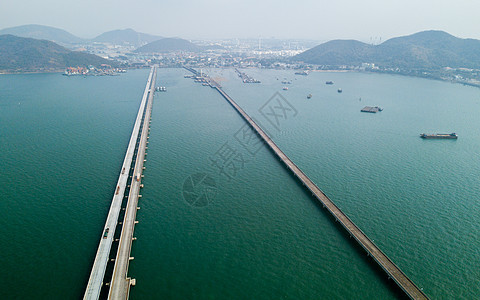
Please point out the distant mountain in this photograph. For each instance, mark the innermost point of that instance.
(129, 36)
(19, 54)
(213, 47)
(170, 45)
(427, 50)
(43, 33)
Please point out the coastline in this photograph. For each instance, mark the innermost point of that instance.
(477, 85)
(402, 74)
(31, 72)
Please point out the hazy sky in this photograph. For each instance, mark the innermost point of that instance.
(311, 19)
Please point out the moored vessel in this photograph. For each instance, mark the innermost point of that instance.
(371, 109)
(439, 136)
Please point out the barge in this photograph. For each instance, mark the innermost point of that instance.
(439, 136)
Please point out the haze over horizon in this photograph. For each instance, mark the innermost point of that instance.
(211, 19)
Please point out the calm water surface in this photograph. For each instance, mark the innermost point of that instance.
(261, 235)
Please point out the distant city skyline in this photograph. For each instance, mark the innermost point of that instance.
(368, 21)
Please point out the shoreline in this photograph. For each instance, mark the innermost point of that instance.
(32, 72)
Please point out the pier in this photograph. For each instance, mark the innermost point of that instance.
(392, 270)
(97, 275)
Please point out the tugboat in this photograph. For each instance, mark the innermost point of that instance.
(439, 136)
(309, 96)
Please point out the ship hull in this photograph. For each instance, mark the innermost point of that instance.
(439, 136)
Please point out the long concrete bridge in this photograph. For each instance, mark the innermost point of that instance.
(392, 270)
(119, 286)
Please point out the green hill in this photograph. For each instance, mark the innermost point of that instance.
(423, 50)
(42, 32)
(338, 52)
(19, 54)
(129, 36)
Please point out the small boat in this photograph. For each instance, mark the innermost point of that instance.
(370, 109)
(309, 96)
(329, 82)
(339, 90)
(285, 88)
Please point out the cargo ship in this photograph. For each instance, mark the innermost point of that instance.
(439, 136)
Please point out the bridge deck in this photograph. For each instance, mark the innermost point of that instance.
(120, 284)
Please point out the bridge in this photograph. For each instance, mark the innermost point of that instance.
(120, 284)
(135, 151)
(392, 270)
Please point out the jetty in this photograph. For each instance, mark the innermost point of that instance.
(120, 283)
(246, 78)
(392, 270)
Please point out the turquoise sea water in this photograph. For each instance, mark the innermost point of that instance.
(261, 236)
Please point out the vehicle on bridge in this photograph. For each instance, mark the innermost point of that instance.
(105, 234)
